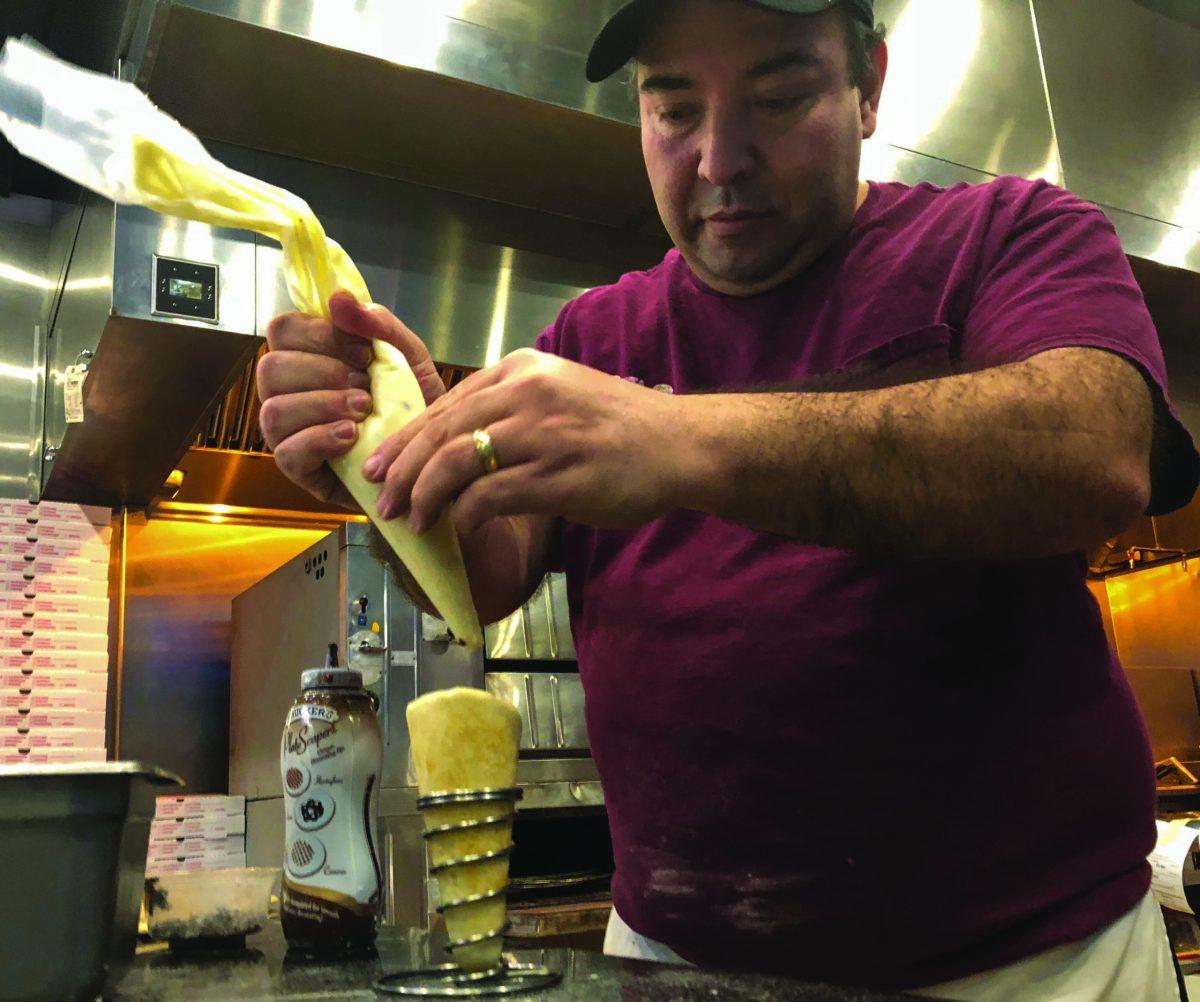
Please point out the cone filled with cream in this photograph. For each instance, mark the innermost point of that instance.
(466, 740)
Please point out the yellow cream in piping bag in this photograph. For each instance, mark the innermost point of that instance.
(316, 267)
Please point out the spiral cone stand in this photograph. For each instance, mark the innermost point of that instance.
(450, 980)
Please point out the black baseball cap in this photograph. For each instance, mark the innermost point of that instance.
(618, 40)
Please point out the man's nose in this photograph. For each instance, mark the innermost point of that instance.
(726, 150)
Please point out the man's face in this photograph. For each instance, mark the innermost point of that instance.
(752, 136)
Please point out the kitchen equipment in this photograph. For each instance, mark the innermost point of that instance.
(74, 841)
(450, 981)
(464, 752)
(210, 904)
(491, 809)
(336, 591)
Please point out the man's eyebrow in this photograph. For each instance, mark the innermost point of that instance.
(764, 68)
(664, 81)
(783, 61)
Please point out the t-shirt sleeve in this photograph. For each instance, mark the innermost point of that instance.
(549, 341)
(1054, 276)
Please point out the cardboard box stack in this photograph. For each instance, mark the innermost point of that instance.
(197, 833)
(53, 631)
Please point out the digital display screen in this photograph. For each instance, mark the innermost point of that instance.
(185, 289)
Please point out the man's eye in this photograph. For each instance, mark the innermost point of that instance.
(676, 115)
(780, 103)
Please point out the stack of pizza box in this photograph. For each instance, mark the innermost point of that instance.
(54, 568)
(206, 832)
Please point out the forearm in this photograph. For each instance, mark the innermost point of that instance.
(1043, 457)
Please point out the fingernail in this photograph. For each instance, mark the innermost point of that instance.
(345, 430)
(416, 523)
(360, 355)
(360, 403)
(371, 468)
(358, 380)
(386, 508)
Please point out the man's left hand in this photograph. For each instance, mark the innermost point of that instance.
(570, 441)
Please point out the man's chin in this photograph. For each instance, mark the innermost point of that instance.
(743, 274)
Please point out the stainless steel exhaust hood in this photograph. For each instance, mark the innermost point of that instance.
(161, 314)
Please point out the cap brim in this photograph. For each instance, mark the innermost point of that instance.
(621, 35)
(618, 40)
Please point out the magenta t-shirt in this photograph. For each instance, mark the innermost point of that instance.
(855, 769)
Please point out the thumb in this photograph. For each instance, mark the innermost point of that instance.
(377, 323)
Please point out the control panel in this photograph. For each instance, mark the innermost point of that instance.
(185, 289)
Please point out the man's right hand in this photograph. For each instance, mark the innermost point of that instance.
(314, 387)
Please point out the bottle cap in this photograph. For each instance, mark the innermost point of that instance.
(331, 678)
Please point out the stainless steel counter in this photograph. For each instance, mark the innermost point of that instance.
(263, 971)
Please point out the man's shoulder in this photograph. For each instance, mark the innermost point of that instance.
(631, 287)
(1005, 196)
(609, 310)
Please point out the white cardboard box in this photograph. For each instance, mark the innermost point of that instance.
(203, 805)
(66, 643)
(159, 869)
(50, 717)
(55, 511)
(54, 681)
(28, 548)
(52, 737)
(51, 756)
(55, 567)
(196, 848)
(56, 605)
(79, 531)
(54, 700)
(37, 585)
(42, 661)
(16, 621)
(216, 826)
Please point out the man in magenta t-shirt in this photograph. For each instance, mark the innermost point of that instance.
(850, 699)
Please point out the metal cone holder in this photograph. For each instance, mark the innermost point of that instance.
(450, 980)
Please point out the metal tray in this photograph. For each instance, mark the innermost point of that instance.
(73, 839)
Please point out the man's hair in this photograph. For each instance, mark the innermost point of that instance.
(861, 42)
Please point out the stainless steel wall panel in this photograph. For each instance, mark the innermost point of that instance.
(296, 616)
(546, 25)
(965, 85)
(1154, 240)
(1167, 699)
(151, 378)
(503, 125)
(264, 832)
(25, 231)
(882, 162)
(141, 234)
(475, 279)
(84, 309)
(1124, 85)
(175, 696)
(1154, 616)
(525, 47)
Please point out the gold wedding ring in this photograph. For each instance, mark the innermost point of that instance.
(485, 450)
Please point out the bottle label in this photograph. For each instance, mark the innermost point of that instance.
(330, 759)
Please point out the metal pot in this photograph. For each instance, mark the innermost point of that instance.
(73, 840)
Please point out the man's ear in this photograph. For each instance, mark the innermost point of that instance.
(871, 90)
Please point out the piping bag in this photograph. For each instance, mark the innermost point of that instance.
(107, 136)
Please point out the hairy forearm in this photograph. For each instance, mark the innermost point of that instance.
(1046, 456)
